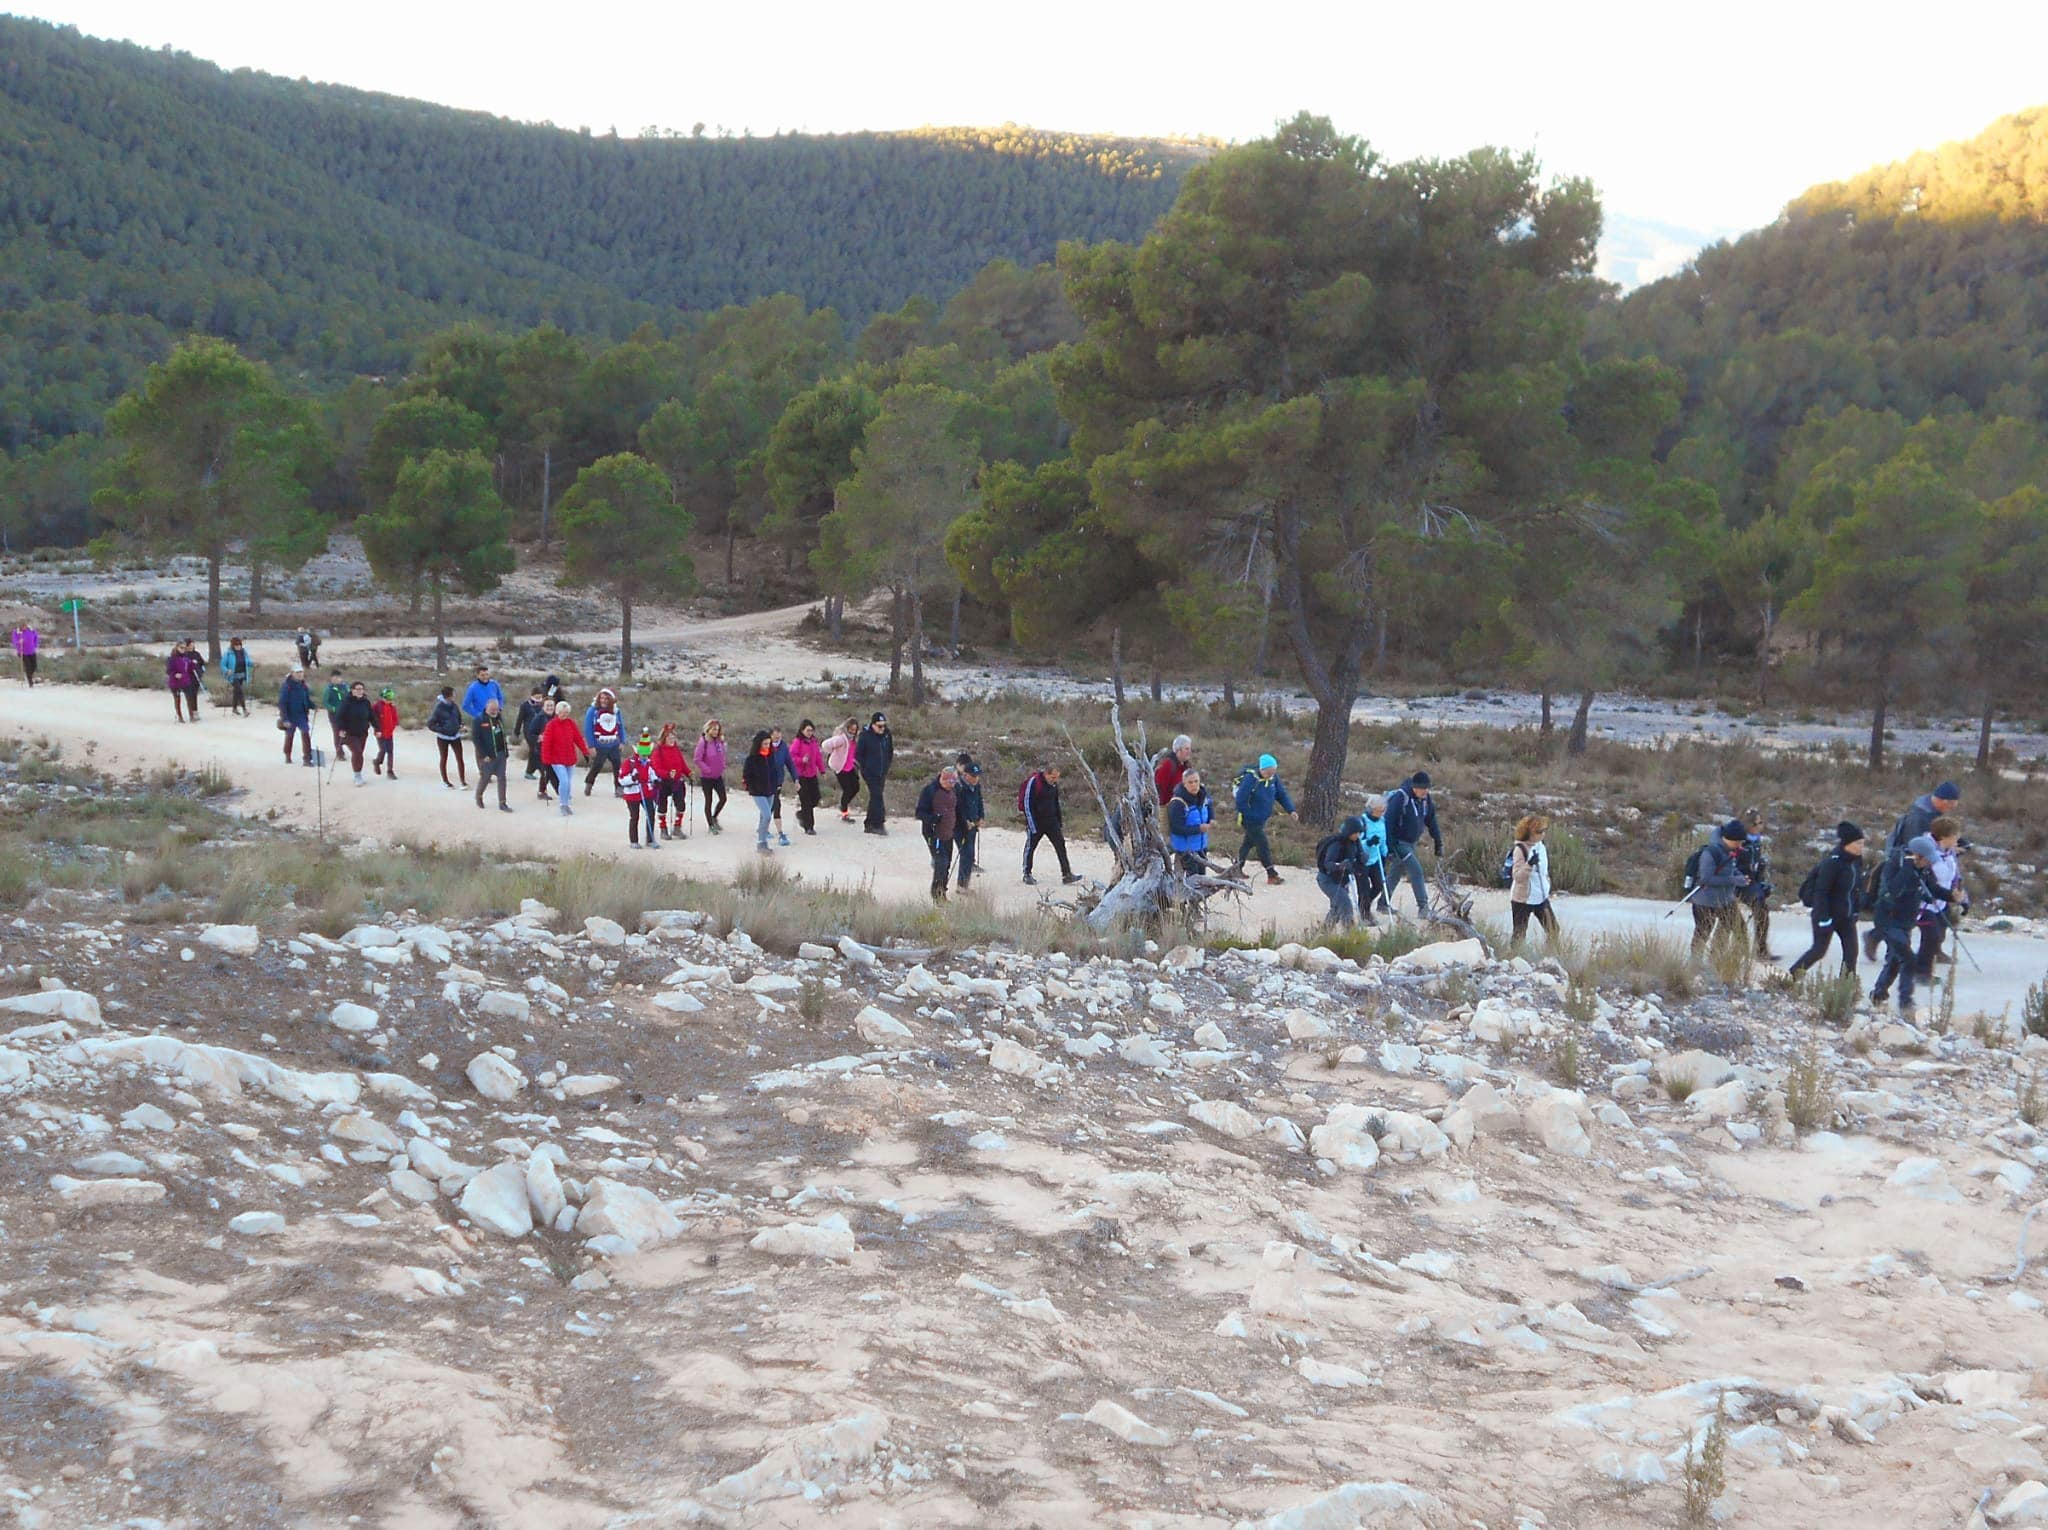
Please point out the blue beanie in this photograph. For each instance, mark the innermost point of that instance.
(1948, 791)
(1267, 762)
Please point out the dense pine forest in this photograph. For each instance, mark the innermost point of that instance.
(1284, 409)
(146, 195)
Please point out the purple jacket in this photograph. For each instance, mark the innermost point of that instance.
(709, 757)
(27, 640)
(181, 671)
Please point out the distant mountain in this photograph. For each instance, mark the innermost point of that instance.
(146, 194)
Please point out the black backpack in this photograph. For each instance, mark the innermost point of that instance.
(1809, 889)
(1692, 868)
(1323, 856)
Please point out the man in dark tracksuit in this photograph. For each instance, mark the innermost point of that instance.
(1913, 823)
(1904, 885)
(1042, 821)
(493, 752)
(972, 810)
(1834, 900)
(1410, 815)
(938, 811)
(873, 753)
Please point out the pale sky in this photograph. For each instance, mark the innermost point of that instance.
(1709, 117)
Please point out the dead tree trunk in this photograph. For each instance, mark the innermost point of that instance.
(916, 649)
(1116, 664)
(895, 640)
(953, 639)
(1152, 886)
(1575, 743)
(1546, 712)
(835, 615)
(1984, 734)
(1157, 693)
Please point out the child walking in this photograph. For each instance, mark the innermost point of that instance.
(671, 783)
(385, 713)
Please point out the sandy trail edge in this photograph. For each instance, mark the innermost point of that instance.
(127, 730)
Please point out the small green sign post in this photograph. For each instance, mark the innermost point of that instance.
(74, 605)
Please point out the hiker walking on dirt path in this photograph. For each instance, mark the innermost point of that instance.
(604, 727)
(181, 674)
(1187, 822)
(1754, 862)
(709, 758)
(1259, 794)
(1914, 822)
(757, 777)
(938, 814)
(1830, 892)
(636, 785)
(671, 783)
(308, 644)
(445, 723)
(332, 700)
(1936, 918)
(352, 723)
(780, 769)
(1341, 867)
(295, 714)
(1719, 880)
(873, 753)
(28, 644)
(1410, 815)
(807, 759)
(552, 693)
(1529, 880)
(493, 753)
(386, 714)
(526, 729)
(480, 690)
(238, 671)
(973, 809)
(839, 759)
(1904, 887)
(1373, 839)
(1170, 765)
(1040, 800)
(562, 748)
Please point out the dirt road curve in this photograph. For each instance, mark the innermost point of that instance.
(125, 730)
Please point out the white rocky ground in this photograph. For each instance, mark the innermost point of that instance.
(530, 1225)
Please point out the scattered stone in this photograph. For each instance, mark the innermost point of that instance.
(354, 1018)
(494, 1078)
(234, 939)
(829, 1237)
(496, 1199)
(604, 932)
(1126, 1425)
(257, 1224)
(502, 1004)
(879, 1028)
(1442, 956)
(632, 1216)
(96, 1194)
(1225, 1118)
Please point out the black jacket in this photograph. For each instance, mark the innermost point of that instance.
(873, 752)
(757, 775)
(533, 720)
(445, 721)
(1834, 888)
(972, 810)
(1041, 806)
(355, 716)
(1342, 859)
(1901, 888)
(488, 734)
(928, 811)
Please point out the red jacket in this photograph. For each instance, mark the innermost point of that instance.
(387, 717)
(1166, 776)
(806, 757)
(636, 778)
(669, 763)
(561, 742)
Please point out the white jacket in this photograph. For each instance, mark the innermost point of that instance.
(1532, 873)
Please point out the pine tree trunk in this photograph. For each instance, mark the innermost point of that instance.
(1575, 743)
(731, 534)
(440, 631)
(1546, 711)
(213, 608)
(412, 604)
(895, 640)
(1229, 693)
(1984, 734)
(1322, 790)
(1116, 664)
(1699, 640)
(625, 637)
(1379, 641)
(953, 641)
(1763, 656)
(916, 649)
(1157, 693)
(1265, 631)
(1877, 728)
(835, 613)
(547, 483)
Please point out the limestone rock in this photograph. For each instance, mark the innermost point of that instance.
(1225, 1118)
(502, 1004)
(354, 1018)
(95, 1194)
(1348, 1147)
(497, 1199)
(494, 1078)
(604, 932)
(580, 1086)
(257, 1224)
(803, 1464)
(879, 1028)
(544, 1190)
(1442, 956)
(1558, 1119)
(234, 939)
(60, 1003)
(1303, 1026)
(828, 1238)
(1126, 1425)
(367, 1131)
(676, 1002)
(1008, 1057)
(632, 1215)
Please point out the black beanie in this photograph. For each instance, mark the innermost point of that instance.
(1948, 791)
(1735, 828)
(1421, 779)
(1846, 833)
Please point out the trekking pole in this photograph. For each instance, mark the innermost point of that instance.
(1683, 901)
(1965, 950)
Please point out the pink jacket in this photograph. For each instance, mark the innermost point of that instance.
(806, 758)
(709, 757)
(839, 753)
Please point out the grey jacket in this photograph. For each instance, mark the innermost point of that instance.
(1719, 878)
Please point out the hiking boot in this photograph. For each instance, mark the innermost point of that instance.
(765, 848)
(714, 828)
(1273, 879)
(1030, 880)
(586, 787)
(503, 807)
(1870, 945)
(884, 833)
(1071, 878)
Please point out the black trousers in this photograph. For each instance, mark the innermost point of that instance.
(1056, 839)
(1826, 930)
(714, 797)
(807, 795)
(878, 812)
(1706, 921)
(1542, 913)
(1255, 843)
(849, 787)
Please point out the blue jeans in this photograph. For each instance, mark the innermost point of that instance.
(1407, 860)
(765, 806)
(565, 780)
(1339, 894)
(1898, 963)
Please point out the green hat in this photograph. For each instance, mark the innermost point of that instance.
(388, 693)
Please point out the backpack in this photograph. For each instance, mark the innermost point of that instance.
(1507, 868)
(1323, 847)
(1249, 774)
(1024, 792)
(1809, 889)
(1692, 868)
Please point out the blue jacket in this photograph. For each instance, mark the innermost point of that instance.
(479, 692)
(295, 702)
(780, 766)
(973, 807)
(613, 741)
(1187, 821)
(234, 665)
(1256, 797)
(1374, 840)
(1409, 818)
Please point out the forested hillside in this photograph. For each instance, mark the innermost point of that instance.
(145, 195)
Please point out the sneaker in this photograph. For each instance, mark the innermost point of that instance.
(781, 838)
(1071, 878)
(451, 786)
(714, 828)
(479, 804)
(359, 779)
(504, 807)
(1030, 880)
(883, 832)
(765, 848)
(653, 844)
(564, 810)
(586, 788)
(846, 818)
(1273, 879)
